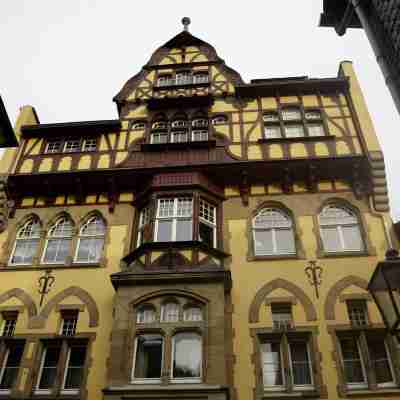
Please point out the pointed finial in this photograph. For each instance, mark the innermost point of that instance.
(186, 23)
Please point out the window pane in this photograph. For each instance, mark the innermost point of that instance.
(179, 137)
(57, 250)
(352, 238)
(75, 367)
(263, 242)
(90, 249)
(192, 314)
(206, 234)
(170, 312)
(380, 360)
(315, 130)
(49, 369)
(146, 315)
(25, 250)
(357, 310)
(331, 239)
(272, 218)
(292, 131)
(289, 114)
(187, 355)
(148, 357)
(272, 132)
(285, 241)
(300, 364)
(271, 364)
(351, 361)
(14, 355)
(164, 230)
(166, 207)
(184, 229)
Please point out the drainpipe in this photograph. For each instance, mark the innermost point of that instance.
(391, 76)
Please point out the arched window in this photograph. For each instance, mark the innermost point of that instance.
(186, 357)
(58, 242)
(273, 233)
(192, 313)
(26, 243)
(170, 312)
(91, 240)
(340, 229)
(146, 314)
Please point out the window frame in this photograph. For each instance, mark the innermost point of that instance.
(7, 331)
(303, 387)
(63, 390)
(4, 361)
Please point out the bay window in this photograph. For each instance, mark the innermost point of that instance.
(175, 221)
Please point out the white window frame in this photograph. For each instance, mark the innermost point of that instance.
(150, 381)
(186, 380)
(200, 77)
(141, 317)
(273, 230)
(207, 222)
(91, 147)
(305, 386)
(163, 312)
(200, 123)
(69, 391)
(339, 229)
(289, 110)
(276, 128)
(160, 125)
(39, 376)
(300, 128)
(74, 325)
(313, 125)
(66, 144)
(313, 115)
(186, 315)
(2, 372)
(179, 124)
(201, 132)
(165, 80)
(354, 385)
(273, 388)
(93, 236)
(271, 116)
(160, 133)
(174, 218)
(51, 142)
(36, 237)
(180, 133)
(183, 78)
(389, 359)
(144, 219)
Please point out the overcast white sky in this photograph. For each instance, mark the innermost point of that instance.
(68, 58)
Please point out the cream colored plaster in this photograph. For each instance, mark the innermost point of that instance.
(26, 166)
(65, 164)
(46, 165)
(104, 161)
(84, 162)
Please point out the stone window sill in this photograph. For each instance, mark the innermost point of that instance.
(377, 392)
(344, 254)
(276, 257)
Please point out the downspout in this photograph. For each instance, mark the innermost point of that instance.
(392, 79)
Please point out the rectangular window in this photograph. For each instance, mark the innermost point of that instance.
(183, 78)
(293, 131)
(72, 145)
(144, 222)
(165, 80)
(282, 315)
(10, 367)
(207, 223)
(9, 323)
(315, 130)
(353, 366)
(199, 135)
(69, 322)
(174, 220)
(272, 132)
(159, 137)
(271, 357)
(200, 77)
(313, 115)
(53, 146)
(148, 358)
(73, 373)
(179, 137)
(48, 368)
(300, 364)
(90, 145)
(291, 114)
(357, 311)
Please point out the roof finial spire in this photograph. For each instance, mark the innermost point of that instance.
(186, 22)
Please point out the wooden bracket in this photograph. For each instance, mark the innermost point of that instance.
(244, 189)
(112, 195)
(312, 181)
(358, 187)
(287, 186)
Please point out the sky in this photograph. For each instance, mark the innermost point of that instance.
(68, 58)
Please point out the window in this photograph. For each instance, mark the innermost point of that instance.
(282, 316)
(9, 323)
(159, 137)
(192, 313)
(165, 80)
(71, 365)
(200, 77)
(273, 233)
(170, 312)
(89, 145)
(72, 145)
(148, 358)
(207, 224)
(58, 243)
(174, 219)
(11, 363)
(160, 125)
(73, 374)
(139, 125)
(357, 310)
(146, 314)
(91, 241)
(359, 349)
(290, 123)
(200, 123)
(274, 364)
(199, 135)
(54, 146)
(183, 78)
(186, 357)
(26, 243)
(179, 137)
(340, 230)
(69, 322)
(144, 221)
(219, 120)
(179, 123)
